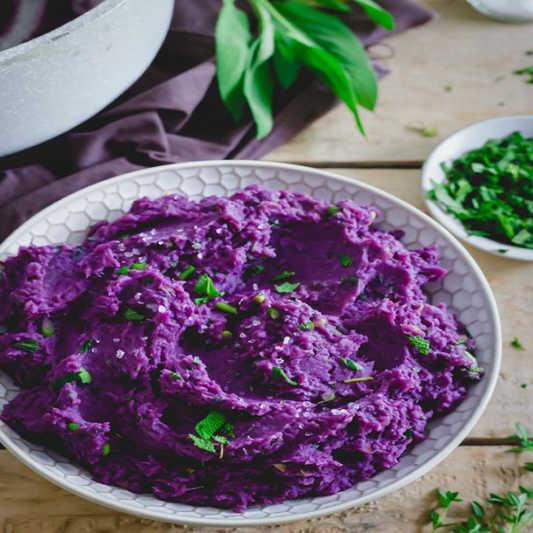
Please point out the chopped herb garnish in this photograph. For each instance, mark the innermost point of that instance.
(408, 433)
(284, 275)
(350, 279)
(448, 88)
(502, 250)
(81, 375)
(227, 335)
(345, 260)
(202, 443)
(128, 398)
(201, 301)
(207, 427)
(525, 441)
(28, 345)
(424, 131)
(460, 341)
(278, 373)
(307, 325)
(523, 386)
(132, 315)
(254, 270)
(186, 273)
(197, 245)
(205, 287)
(139, 266)
(84, 376)
(123, 270)
(286, 287)
(328, 396)
(147, 280)
(528, 71)
(355, 380)
(226, 308)
(490, 190)
(86, 346)
(274, 313)
(221, 439)
(352, 365)
(332, 210)
(515, 343)
(47, 328)
(73, 426)
(175, 375)
(422, 345)
(259, 298)
(106, 449)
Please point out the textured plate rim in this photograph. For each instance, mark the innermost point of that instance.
(493, 317)
(452, 224)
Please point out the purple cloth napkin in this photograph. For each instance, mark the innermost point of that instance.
(172, 114)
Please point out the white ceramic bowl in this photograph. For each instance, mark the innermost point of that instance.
(58, 80)
(454, 146)
(465, 290)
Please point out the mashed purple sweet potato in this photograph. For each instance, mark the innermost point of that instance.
(266, 337)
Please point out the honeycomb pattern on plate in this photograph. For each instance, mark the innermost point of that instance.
(464, 290)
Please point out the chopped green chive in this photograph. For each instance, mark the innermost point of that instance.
(460, 341)
(227, 335)
(47, 328)
(274, 313)
(106, 449)
(352, 365)
(408, 433)
(205, 287)
(202, 443)
(422, 345)
(84, 376)
(206, 429)
(186, 274)
(254, 270)
(345, 260)
(286, 287)
(259, 298)
(278, 373)
(332, 210)
(123, 270)
(284, 275)
(221, 439)
(86, 346)
(201, 301)
(139, 266)
(175, 375)
(356, 380)
(226, 308)
(73, 426)
(328, 396)
(197, 245)
(515, 343)
(350, 279)
(132, 315)
(307, 325)
(30, 346)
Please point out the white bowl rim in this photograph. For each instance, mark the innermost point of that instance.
(8, 55)
(100, 499)
(452, 224)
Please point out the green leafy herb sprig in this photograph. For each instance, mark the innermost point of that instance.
(292, 34)
(206, 430)
(509, 513)
(490, 190)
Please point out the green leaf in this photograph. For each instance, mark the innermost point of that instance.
(258, 85)
(202, 443)
(132, 315)
(84, 376)
(285, 64)
(307, 326)
(232, 37)
(377, 14)
(186, 274)
(422, 345)
(337, 5)
(86, 346)
(30, 346)
(352, 365)
(284, 275)
(286, 287)
(205, 287)
(207, 427)
(47, 328)
(345, 260)
(278, 373)
(477, 509)
(81, 375)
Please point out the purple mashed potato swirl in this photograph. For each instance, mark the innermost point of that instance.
(122, 348)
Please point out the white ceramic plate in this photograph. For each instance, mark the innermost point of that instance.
(465, 290)
(454, 146)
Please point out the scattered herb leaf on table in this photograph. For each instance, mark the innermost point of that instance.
(292, 34)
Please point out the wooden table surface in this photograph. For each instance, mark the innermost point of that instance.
(475, 57)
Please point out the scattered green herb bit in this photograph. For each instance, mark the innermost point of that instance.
(196, 245)
(73, 426)
(201, 301)
(515, 343)
(123, 235)
(47, 328)
(123, 270)
(147, 280)
(128, 398)
(528, 71)
(489, 190)
(86, 346)
(227, 335)
(286, 287)
(333, 210)
(350, 279)
(284, 275)
(502, 250)
(528, 467)
(254, 270)
(205, 287)
(278, 373)
(139, 266)
(345, 260)
(352, 365)
(497, 79)
(106, 449)
(355, 380)
(307, 325)
(422, 345)
(27, 345)
(448, 88)
(226, 308)
(84, 376)
(207, 427)
(132, 315)
(221, 439)
(274, 313)
(328, 396)
(424, 131)
(408, 433)
(175, 375)
(460, 341)
(529, 52)
(524, 386)
(525, 442)
(202, 443)
(186, 273)
(259, 298)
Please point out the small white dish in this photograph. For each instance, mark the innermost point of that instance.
(454, 146)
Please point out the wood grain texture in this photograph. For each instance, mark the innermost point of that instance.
(30, 504)
(462, 50)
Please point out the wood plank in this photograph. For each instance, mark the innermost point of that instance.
(463, 50)
(32, 505)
